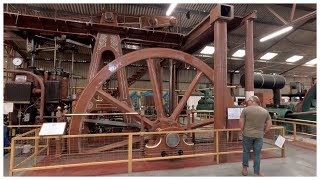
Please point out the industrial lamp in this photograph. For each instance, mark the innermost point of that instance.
(277, 33)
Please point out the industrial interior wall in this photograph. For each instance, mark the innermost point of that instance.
(184, 76)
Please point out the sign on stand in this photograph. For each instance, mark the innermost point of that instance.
(52, 129)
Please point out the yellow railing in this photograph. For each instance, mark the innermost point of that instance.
(294, 122)
(26, 129)
(127, 148)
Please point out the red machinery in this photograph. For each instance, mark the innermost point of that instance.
(109, 36)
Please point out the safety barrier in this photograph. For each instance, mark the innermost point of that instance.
(52, 152)
(298, 130)
(20, 130)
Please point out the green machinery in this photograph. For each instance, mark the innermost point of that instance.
(206, 102)
(305, 109)
(135, 98)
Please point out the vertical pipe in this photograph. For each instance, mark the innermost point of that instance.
(60, 59)
(32, 52)
(188, 118)
(220, 73)
(249, 61)
(130, 154)
(72, 83)
(55, 53)
(276, 97)
(188, 121)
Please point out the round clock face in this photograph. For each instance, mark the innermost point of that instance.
(17, 61)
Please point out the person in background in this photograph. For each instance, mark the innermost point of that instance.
(255, 121)
(5, 135)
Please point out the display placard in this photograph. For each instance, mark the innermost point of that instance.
(280, 141)
(50, 129)
(234, 113)
(7, 107)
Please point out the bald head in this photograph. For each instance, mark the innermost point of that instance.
(255, 100)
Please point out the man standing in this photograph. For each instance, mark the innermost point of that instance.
(5, 135)
(255, 121)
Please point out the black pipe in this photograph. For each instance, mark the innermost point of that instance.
(266, 81)
(276, 97)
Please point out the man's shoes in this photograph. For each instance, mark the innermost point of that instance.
(260, 174)
(244, 172)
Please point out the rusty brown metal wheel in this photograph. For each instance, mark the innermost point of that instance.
(152, 57)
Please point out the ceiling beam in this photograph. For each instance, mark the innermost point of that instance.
(276, 14)
(16, 48)
(56, 13)
(299, 7)
(296, 66)
(276, 42)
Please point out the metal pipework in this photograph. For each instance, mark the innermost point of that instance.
(32, 52)
(266, 81)
(41, 87)
(55, 53)
(32, 59)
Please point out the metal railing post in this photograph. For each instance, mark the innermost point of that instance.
(12, 152)
(36, 147)
(217, 146)
(283, 153)
(48, 150)
(142, 113)
(294, 131)
(130, 153)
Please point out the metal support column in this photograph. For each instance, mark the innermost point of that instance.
(219, 16)
(249, 61)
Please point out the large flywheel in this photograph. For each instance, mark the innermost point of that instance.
(152, 56)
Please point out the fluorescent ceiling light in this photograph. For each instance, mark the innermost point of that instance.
(312, 62)
(275, 34)
(208, 50)
(171, 8)
(269, 56)
(294, 58)
(239, 53)
(132, 46)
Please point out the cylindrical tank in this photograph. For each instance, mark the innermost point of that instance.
(266, 81)
(64, 82)
(63, 78)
